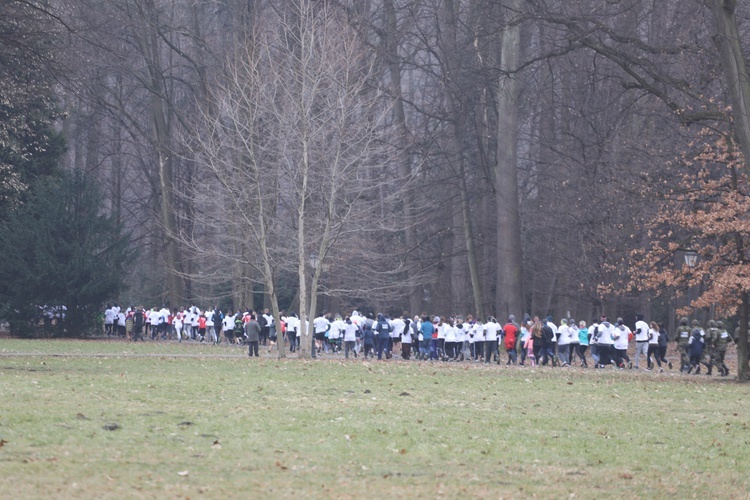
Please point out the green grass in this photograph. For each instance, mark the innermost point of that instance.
(242, 427)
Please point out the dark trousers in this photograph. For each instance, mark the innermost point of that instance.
(581, 350)
(478, 349)
(349, 346)
(512, 356)
(620, 356)
(405, 350)
(653, 349)
(253, 349)
(382, 346)
(451, 349)
(368, 350)
(292, 336)
(605, 354)
(538, 349)
(490, 350)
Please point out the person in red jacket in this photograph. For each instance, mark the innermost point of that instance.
(510, 332)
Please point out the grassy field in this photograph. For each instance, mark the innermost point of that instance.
(113, 420)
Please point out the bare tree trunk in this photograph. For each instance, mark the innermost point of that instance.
(735, 70)
(509, 291)
(164, 157)
(394, 68)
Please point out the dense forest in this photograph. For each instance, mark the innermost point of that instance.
(453, 156)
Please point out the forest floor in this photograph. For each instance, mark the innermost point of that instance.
(110, 419)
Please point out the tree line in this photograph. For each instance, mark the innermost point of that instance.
(467, 155)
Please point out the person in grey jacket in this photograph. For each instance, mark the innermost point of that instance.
(252, 331)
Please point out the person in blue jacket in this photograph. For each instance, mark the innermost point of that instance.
(383, 329)
(695, 350)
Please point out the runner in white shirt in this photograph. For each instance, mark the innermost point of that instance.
(194, 319)
(350, 337)
(321, 325)
(109, 320)
(154, 317)
(642, 335)
(177, 323)
(621, 337)
(397, 330)
(451, 346)
(477, 330)
(563, 343)
(440, 328)
(210, 330)
(336, 333)
(606, 343)
(490, 340)
(227, 325)
(406, 338)
(653, 346)
(292, 330)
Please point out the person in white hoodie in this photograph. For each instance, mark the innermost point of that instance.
(622, 338)
(491, 327)
(451, 351)
(605, 342)
(350, 336)
(642, 336)
(563, 343)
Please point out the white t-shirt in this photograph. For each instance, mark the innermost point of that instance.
(350, 332)
(228, 322)
(554, 330)
(406, 335)
(450, 333)
(269, 319)
(593, 327)
(605, 334)
(490, 330)
(460, 333)
(563, 334)
(478, 330)
(292, 324)
(641, 326)
(154, 317)
(653, 336)
(440, 329)
(573, 334)
(621, 342)
(321, 324)
(337, 329)
(397, 327)
(109, 316)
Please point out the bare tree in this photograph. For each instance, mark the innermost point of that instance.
(296, 148)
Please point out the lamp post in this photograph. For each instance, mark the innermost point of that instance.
(314, 263)
(691, 259)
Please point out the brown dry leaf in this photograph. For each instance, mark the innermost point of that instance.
(402, 451)
(2, 442)
(626, 475)
(280, 466)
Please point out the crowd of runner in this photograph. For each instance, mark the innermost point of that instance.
(533, 342)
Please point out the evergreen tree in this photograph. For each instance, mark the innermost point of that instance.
(59, 251)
